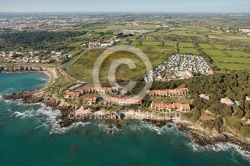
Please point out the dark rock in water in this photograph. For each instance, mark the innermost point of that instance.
(169, 126)
(158, 123)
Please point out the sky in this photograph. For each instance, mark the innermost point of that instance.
(124, 5)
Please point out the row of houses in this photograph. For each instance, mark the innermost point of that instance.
(168, 92)
(113, 101)
(170, 107)
(122, 101)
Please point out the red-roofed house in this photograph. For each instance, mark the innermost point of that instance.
(170, 107)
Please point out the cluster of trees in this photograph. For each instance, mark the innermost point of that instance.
(36, 37)
(235, 85)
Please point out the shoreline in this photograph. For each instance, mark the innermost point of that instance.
(52, 74)
(48, 71)
(200, 136)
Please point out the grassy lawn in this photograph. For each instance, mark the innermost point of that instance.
(233, 66)
(186, 45)
(206, 46)
(211, 52)
(188, 51)
(237, 54)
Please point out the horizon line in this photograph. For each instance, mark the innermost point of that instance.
(118, 12)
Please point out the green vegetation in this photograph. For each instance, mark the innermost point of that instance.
(188, 51)
(170, 44)
(186, 45)
(235, 86)
(206, 46)
(152, 43)
(211, 52)
(238, 54)
(36, 37)
(220, 47)
(233, 66)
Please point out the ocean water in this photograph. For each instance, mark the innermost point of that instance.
(27, 139)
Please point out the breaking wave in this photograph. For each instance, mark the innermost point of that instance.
(158, 130)
(233, 148)
(56, 129)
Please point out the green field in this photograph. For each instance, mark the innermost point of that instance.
(238, 54)
(230, 60)
(233, 66)
(183, 32)
(135, 43)
(170, 44)
(186, 45)
(152, 43)
(220, 47)
(211, 52)
(188, 51)
(206, 46)
(81, 66)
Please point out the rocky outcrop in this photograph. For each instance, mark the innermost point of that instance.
(203, 139)
(20, 68)
(26, 97)
(199, 136)
(158, 123)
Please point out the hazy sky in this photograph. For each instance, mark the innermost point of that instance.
(124, 5)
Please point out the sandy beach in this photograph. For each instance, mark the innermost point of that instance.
(52, 74)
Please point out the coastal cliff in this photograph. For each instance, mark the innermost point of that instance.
(199, 136)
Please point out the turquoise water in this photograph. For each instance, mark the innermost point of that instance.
(26, 139)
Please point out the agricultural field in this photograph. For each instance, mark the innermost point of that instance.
(212, 52)
(233, 66)
(220, 47)
(238, 54)
(188, 51)
(183, 32)
(206, 46)
(170, 44)
(135, 43)
(186, 45)
(152, 43)
(124, 27)
(230, 59)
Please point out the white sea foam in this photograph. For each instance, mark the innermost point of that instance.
(234, 148)
(56, 129)
(108, 127)
(159, 130)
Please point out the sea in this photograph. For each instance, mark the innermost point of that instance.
(29, 135)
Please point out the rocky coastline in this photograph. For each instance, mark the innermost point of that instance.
(20, 69)
(199, 136)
